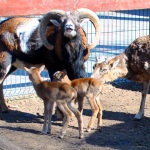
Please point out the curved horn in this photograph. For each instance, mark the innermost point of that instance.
(54, 14)
(87, 13)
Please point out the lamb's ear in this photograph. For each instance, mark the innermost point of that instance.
(65, 72)
(101, 59)
(96, 58)
(42, 68)
(114, 64)
(28, 70)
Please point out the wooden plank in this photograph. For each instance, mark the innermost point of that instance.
(36, 7)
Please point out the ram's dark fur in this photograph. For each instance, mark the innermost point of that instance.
(22, 45)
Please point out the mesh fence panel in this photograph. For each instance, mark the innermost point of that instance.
(118, 30)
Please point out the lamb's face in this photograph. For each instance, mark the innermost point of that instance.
(59, 76)
(102, 72)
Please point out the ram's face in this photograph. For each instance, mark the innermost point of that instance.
(70, 26)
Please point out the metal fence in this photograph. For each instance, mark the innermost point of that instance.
(118, 30)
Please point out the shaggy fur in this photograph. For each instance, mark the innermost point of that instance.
(133, 64)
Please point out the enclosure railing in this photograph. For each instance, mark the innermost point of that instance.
(118, 30)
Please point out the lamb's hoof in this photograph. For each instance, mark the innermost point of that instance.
(61, 136)
(44, 132)
(99, 129)
(47, 131)
(88, 129)
(81, 136)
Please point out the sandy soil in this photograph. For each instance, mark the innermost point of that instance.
(20, 129)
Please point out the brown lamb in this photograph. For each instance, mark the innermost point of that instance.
(51, 92)
(86, 88)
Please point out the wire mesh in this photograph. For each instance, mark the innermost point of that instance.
(118, 30)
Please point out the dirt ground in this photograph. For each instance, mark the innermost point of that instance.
(20, 129)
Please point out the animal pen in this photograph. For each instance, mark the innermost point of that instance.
(118, 30)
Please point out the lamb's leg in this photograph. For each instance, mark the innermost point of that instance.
(50, 111)
(78, 115)
(100, 113)
(80, 103)
(69, 112)
(64, 120)
(59, 114)
(44, 131)
(63, 108)
(95, 110)
(140, 114)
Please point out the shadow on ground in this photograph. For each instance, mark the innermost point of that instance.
(128, 134)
